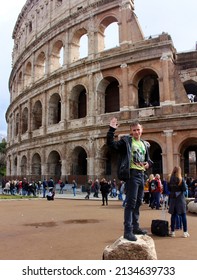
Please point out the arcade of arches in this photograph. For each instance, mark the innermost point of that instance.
(67, 83)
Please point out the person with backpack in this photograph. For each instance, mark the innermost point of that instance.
(156, 190)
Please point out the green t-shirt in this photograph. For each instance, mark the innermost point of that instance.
(137, 155)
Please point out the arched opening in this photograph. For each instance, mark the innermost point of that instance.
(15, 166)
(28, 74)
(107, 27)
(191, 90)
(112, 99)
(79, 162)
(111, 41)
(40, 66)
(24, 120)
(148, 91)
(83, 46)
(20, 83)
(108, 95)
(54, 112)
(54, 165)
(24, 166)
(57, 56)
(79, 45)
(36, 166)
(17, 124)
(156, 157)
(189, 157)
(37, 115)
(78, 102)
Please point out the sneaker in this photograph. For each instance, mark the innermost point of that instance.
(172, 234)
(130, 236)
(185, 234)
(139, 231)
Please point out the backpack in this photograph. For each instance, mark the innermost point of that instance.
(153, 185)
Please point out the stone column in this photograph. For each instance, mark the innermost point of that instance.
(124, 102)
(165, 60)
(169, 164)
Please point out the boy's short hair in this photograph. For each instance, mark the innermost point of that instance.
(135, 123)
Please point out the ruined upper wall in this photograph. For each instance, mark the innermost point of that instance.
(39, 17)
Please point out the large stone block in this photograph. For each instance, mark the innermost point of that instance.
(122, 249)
(192, 207)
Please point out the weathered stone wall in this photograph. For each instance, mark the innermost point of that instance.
(58, 118)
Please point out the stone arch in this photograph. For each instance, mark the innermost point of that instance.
(78, 102)
(191, 90)
(75, 44)
(56, 56)
(24, 166)
(108, 95)
(147, 85)
(188, 152)
(28, 73)
(37, 115)
(36, 166)
(40, 66)
(54, 112)
(79, 161)
(54, 165)
(24, 125)
(102, 31)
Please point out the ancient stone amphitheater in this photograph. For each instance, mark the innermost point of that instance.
(66, 85)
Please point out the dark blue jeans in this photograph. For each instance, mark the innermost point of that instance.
(134, 197)
(184, 221)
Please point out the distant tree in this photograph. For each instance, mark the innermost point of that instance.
(3, 158)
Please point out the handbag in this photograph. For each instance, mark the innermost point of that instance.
(160, 227)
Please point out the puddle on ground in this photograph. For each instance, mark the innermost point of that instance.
(82, 221)
(42, 224)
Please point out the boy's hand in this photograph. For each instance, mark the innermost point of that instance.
(114, 123)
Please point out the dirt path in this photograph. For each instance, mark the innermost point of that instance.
(77, 229)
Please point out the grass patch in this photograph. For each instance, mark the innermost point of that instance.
(8, 196)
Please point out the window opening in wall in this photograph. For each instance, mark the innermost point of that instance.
(148, 91)
(40, 68)
(17, 125)
(79, 162)
(82, 104)
(112, 103)
(54, 165)
(24, 120)
(27, 81)
(24, 166)
(191, 90)
(36, 165)
(83, 49)
(30, 27)
(190, 163)
(37, 115)
(111, 34)
(61, 59)
(54, 109)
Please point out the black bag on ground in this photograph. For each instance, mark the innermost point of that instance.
(160, 227)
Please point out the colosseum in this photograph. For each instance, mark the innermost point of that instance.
(66, 85)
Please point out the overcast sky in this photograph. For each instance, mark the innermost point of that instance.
(176, 17)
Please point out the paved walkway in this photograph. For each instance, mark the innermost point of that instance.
(71, 228)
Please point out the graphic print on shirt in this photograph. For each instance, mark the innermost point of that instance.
(138, 153)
